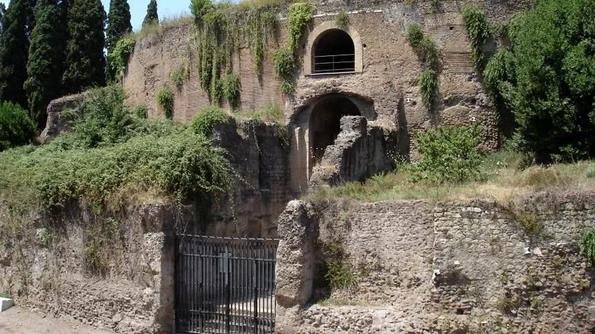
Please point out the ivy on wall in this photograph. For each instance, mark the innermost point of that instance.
(427, 52)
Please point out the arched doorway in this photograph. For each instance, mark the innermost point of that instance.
(325, 123)
(334, 52)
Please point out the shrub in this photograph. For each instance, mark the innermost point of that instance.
(588, 246)
(179, 74)
(118, 58)
(200, 8)
(206, 120)
(449, 155)
(284, 65)
(428, 86)
(338, 273)
(16, 128)
(165, 99)
(414, 35)
(141, 112)
(590, 172)
(231, 89)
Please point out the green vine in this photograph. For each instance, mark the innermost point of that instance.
(118, 58)
(284, 65)
(342, 20)
(231, 89)
(300, 15)
(179, 74)
(427, 51)
(165, 99)
(478, 31)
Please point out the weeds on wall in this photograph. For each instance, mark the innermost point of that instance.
(435, 6)
(338, 274)
(180, 74)
(165, 99)
(588, 246)
(141, 112)
(231, 89)
(478, 31)
(207, 119)
(342, 20)
(118, 58)
(284, 64)
(427, 52)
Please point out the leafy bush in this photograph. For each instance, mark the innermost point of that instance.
(179, 74)
(551, 84)
(231, 89)
(588, 246)
(204, 122)
(102, 119)
(342, 20)
(16, 128)
(165, 99)
(200, 8)
(478, 31)
(414, 35)
(338, 273)
(449, 155)
(141, 112)
(284, 65)
(300, 15)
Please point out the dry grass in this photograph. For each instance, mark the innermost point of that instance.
(503, 181)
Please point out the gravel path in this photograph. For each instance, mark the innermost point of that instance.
(19, 321)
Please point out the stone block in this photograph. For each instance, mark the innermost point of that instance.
(5, 304)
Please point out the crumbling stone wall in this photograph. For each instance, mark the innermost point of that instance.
(458, 267)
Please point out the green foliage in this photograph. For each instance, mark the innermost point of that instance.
(118, 23)
(16, 128)
(427, 51)
(284, 65)
(342, 20)
(428, 86)
(300, 15)
(179, 74)
(435, 6)
(497, 74)
(141, 112)
(588, 246)
(165, 99)
(530, 223)
(449, 155)
(590, 172)
(269, 113)
(200, 8)
(231, 89)
(207, 119)
(548, 80)
(118, 58)
(43, 67)
(151, 18)
(14, 48)
(85, 63)
(478, 31)
(508, 303)
(338, 273)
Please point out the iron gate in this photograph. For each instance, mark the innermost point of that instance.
(225, 285)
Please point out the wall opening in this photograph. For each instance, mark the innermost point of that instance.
(334, 52)
(325, 123)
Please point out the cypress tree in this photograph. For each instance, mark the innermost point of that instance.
(2, 10)
(17, 24)
(85, 62)
(118, 25)
(151, 16)
(43, 67)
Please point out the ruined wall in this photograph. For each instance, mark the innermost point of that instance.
(459, 267)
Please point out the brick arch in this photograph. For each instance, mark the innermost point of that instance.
(318, 32)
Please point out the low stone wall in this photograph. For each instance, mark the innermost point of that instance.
(459, 267)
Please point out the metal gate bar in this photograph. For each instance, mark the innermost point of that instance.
(225, 285)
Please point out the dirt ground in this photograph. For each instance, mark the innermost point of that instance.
(19, 321)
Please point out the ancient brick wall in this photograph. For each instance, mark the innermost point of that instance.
(458, 267)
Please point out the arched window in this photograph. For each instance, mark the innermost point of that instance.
(334, 52)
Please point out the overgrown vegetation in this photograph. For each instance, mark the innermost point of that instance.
(180, 74)
(449, 155)
(588, 246)
(141, 111)
(205, 121)
(270, 113)
(427, 52)
(478, 31)
(16, 128)
(338, 273)
(118, 58)
(284, 64)
(231, 89)
(165, 99)
(342, 20)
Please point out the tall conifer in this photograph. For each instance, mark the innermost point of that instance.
(85, 61)
(43, 67)
(17, 24)
(152, 16)
(118, 25)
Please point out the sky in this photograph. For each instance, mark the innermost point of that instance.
(138, 9)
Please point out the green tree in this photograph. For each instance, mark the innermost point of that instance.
(2, 11)
(548, 79)
(152, 17)
(118, 25)
(14, 47)
(85, 62)
(43, 67)
(16, 128)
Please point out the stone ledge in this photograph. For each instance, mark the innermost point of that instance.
(5, 304)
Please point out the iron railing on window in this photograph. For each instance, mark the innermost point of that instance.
(225, 285)
(338, 63)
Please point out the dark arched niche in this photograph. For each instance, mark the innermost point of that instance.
(334, 52)
(325, 122)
